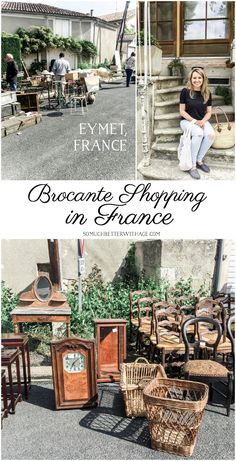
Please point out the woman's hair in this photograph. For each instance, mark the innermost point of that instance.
(204, 88)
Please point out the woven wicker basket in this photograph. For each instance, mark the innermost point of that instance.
(134, 377)
(174, 411)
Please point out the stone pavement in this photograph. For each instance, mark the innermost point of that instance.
(38, 431)
(47, 151)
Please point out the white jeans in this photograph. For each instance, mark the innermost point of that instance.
(201, 139)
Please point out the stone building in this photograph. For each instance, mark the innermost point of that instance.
(65, 23)
(209, 262)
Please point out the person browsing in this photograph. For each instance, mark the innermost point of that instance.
(60, 67)
(12, 71)
(129, 68)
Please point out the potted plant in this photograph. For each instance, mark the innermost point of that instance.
(156, 54)
(176, 67)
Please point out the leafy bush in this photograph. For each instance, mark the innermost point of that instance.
(226, 92)
(89, 50)
(38, 66)
(140, 39)
(11, 44)
(8, 302)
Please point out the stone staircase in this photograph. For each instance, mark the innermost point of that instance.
(164, 160)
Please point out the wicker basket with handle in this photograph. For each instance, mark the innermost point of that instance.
(224, 132)
(174, 411)
(134, 377)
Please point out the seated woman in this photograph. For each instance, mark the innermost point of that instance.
(196, 104)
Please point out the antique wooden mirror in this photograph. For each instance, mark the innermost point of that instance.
(42, 288)
(43, 294)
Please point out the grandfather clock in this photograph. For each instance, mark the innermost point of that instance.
(110, 337)
(74, 373)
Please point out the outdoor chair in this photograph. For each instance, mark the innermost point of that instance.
(216, 311)
(228, 301)
(172, 294)
(144, 320)
(133, 303)
(147, 324)
(185, 300)
(231, 334)
(202, 367)
(167, 341)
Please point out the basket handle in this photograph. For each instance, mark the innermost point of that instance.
(141, 359)
(226, 117)
(144, 382)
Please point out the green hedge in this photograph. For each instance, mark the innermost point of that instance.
(11, 44)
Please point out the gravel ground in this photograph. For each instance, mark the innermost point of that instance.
(37, 431)
(46, 150)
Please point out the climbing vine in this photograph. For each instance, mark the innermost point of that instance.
(36, 39)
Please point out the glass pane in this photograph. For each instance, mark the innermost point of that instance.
(217, 29)
(43, 288)
(165, 11)
(194, 30)
(194, 10)
(217, 9)
(153, 11)
(154, 29)
(164, 31)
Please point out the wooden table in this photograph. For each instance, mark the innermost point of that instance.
(23, 314)
(13, 340)
(10, 357)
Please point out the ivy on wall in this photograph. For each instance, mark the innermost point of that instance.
(36, 39)
(11, 44)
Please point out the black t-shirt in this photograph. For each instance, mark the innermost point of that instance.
(194, 106)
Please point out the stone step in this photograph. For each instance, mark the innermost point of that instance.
(169, 151)
(169, 170)
(167, 134)
(168, 94)
(173, 119)
(167, 81)
(166, 107)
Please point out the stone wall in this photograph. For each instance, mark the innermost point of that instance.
(176, 259)
(171, 259)
(20, 259)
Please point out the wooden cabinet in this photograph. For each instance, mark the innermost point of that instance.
(74, 373)
(111, 348)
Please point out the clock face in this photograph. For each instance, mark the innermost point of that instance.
(74, 362)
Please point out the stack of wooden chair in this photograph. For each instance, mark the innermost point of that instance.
(157, 324)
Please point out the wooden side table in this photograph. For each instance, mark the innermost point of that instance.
(9, 357)
(4, 411)
(40, 315)
(12, 341)
(110, 337)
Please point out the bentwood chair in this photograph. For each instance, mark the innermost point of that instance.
(206, 369)
(231, 334)
(217, 311)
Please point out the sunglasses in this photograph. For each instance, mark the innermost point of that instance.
(197, 67)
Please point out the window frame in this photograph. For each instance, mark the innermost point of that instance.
(206, 42)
